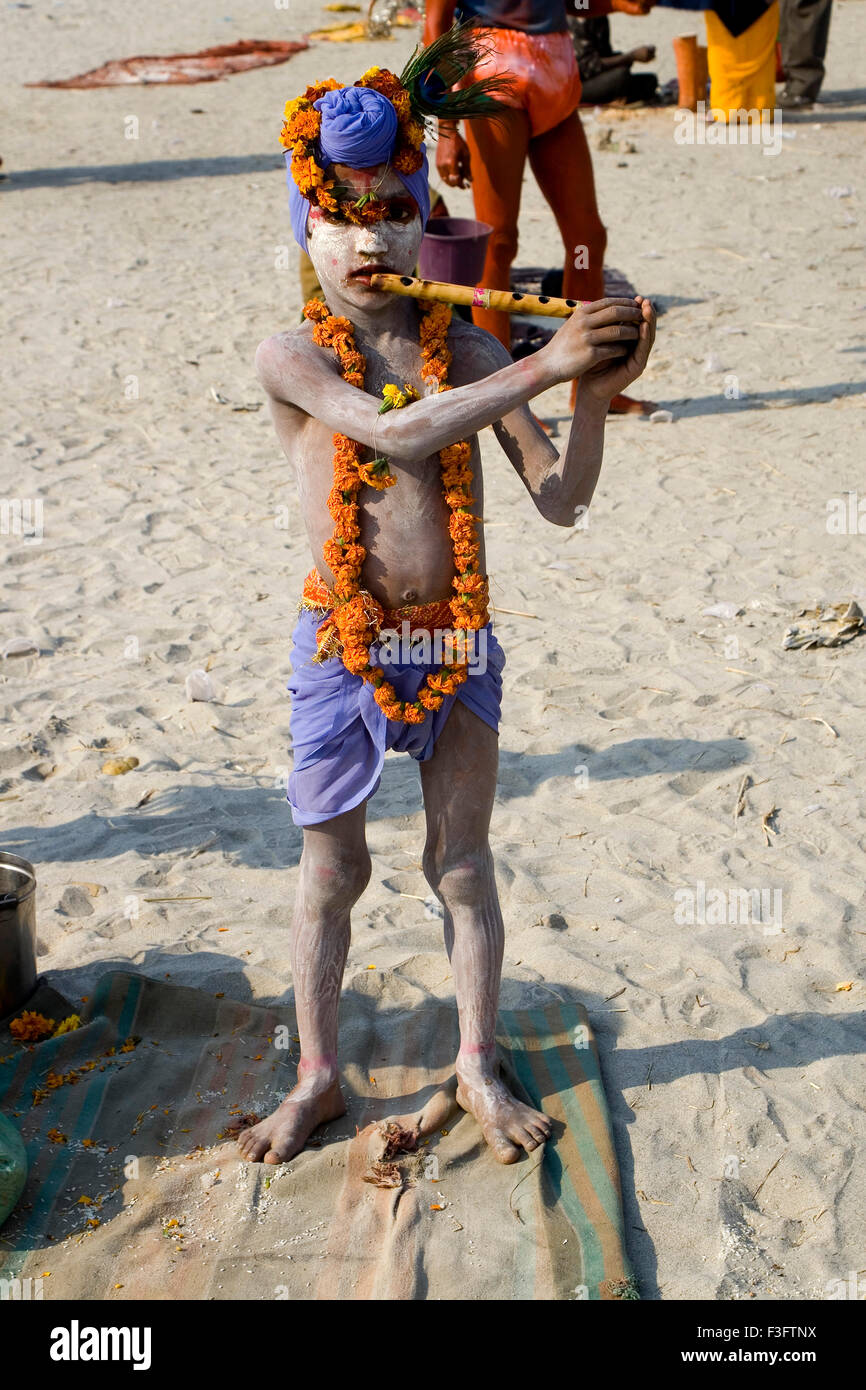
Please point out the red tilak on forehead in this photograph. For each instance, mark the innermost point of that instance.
(365, 178)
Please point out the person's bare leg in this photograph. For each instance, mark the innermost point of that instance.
(459, 783)
(497, 151)
(562, 164)
(335, 869)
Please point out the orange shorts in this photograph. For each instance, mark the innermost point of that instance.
(545, 82)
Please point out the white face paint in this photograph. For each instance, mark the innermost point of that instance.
(346, 255)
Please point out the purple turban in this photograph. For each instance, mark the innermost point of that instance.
(359, 127)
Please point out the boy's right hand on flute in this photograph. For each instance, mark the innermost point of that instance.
(606, 342)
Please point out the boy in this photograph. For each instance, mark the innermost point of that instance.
(408, 557)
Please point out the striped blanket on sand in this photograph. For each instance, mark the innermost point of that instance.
(135, 1190)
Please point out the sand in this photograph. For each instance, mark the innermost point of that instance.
(141, 275)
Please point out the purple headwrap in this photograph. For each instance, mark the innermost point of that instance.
(359, 127)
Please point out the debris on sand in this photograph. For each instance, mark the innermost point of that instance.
(832, 627)
(397, 1139)
(240, 1122)
(384, 1175)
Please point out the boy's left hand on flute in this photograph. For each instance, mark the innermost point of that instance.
(606, 344)
(612, 378)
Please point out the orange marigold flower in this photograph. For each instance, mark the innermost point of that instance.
(319, 89)
(462, 526)
(374, 210)
(343, 588)
(429, 699)
(435, 367)
(355, 659)
(342, 340)
(30, 1026)
(296, 104)
(386, 698)
(457, 497)
(471, 584)
(354, 555)
(382, 80)
(413, 131)
(307, 173)
(332, 553)
(314, 309)
(306, 125)
(407, 161)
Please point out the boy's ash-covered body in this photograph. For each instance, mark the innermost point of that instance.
(410, 561)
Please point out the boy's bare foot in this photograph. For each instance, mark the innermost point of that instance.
(506, 1123)
(315, 1100)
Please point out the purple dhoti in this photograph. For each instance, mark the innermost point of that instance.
(339, 733)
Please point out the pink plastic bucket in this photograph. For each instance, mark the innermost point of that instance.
(453, 249)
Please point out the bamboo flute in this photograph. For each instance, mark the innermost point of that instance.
(477, 298)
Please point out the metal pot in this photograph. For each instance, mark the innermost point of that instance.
(17, 932)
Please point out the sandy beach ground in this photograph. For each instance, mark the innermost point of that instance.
(140, 276)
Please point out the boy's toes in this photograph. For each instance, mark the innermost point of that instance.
(254, 1149)
(504, 1150)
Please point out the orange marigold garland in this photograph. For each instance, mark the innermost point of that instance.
(357, 616)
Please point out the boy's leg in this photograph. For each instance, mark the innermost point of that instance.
(335, 870)
(459, 783)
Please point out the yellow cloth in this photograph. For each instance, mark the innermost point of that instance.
(743, 70)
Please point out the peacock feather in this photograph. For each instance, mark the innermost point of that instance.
(431, 73)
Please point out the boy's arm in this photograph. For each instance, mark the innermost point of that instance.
(560, 484)
(292, 369)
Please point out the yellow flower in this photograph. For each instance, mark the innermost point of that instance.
(68, 1025)
(394, 398)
